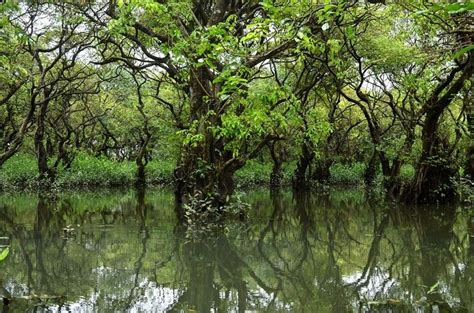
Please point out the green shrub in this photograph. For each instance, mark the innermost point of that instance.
(253, 173)
(347, 174)
(88, 170)
(407, 174)
(258, 173)
(160, 171)
(19, 171)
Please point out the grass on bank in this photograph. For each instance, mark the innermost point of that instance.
(21, 171)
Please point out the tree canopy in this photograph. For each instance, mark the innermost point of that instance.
(213, 84)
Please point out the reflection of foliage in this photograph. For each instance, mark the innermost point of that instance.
(327, 253)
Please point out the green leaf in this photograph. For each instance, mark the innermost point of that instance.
(459, 7)
(433, 288)
(462, 51)
(4, 254)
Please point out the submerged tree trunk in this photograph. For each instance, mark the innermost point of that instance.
(370, 171)
(41, 152)
(205, 169)
(321, 172)
(433, 179)
(300, 181)
(141, 162)
(435, 171)
(277, 159)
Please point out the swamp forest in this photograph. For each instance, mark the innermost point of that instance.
(237, 156)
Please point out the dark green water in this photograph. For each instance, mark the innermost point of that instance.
(119, 252)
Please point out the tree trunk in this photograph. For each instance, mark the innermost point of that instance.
(390, 173)
(206, 168)
(392, 184)
(300, 181)
(225, 182)
(180, 184)
(141, 163)
(140, 181)
(470, 162)
(41, 152)
(433, 176)
(276, 175)
(433, 179)
(470, 125)
(370, 171)
(321, 171)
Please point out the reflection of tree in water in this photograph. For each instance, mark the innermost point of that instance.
(310, 254)
(217, 275)
(300, 248)
(213, 266)
(44, 279)
(287, 252)
(141, 210)
(435, 234)
(412, 263)
(55, 258)
(442, 253)
(404, 260)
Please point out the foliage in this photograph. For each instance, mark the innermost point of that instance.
(215, 94)
(347, 174)
(407, 174)
(86, 171)
(20, 171)
(465, 190)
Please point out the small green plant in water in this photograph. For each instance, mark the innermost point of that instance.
(203, 214)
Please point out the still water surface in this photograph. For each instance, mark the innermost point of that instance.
(127, 252)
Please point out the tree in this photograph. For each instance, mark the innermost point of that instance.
(214, 51)
(381, 74)
(434, 173)
(53, 48)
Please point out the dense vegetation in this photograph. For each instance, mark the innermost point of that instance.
(202, 94)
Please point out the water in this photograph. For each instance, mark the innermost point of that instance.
(122, 252)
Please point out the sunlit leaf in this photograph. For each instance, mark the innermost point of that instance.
(4, 254)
